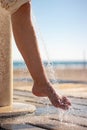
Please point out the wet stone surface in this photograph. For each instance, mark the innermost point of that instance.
(46, 116)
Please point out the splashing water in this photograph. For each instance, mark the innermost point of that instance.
(49, 66)
(62, 114)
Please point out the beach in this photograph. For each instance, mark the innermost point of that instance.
(70, 81)
(46, 116)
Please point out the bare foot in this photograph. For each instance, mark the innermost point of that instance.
(48, 91)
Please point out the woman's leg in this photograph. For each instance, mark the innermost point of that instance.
(26, 41)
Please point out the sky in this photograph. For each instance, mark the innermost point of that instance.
(62, 25)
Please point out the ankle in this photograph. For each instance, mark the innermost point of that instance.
(42, 83)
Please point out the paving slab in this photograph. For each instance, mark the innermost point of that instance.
(46, 116)
(20, 127)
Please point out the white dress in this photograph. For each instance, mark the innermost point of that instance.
(12, 5)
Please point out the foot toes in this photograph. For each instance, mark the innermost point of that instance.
(65, 100)
(62, 105)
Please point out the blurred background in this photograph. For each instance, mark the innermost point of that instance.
(61, 28)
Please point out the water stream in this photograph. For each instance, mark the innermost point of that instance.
(50, 109)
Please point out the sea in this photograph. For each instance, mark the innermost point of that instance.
(20, 65)
(54, 64)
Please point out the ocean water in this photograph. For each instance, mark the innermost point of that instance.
(59, 64)
(19, 65)
(54, 64)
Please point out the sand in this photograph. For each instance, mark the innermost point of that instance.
(69, 89)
